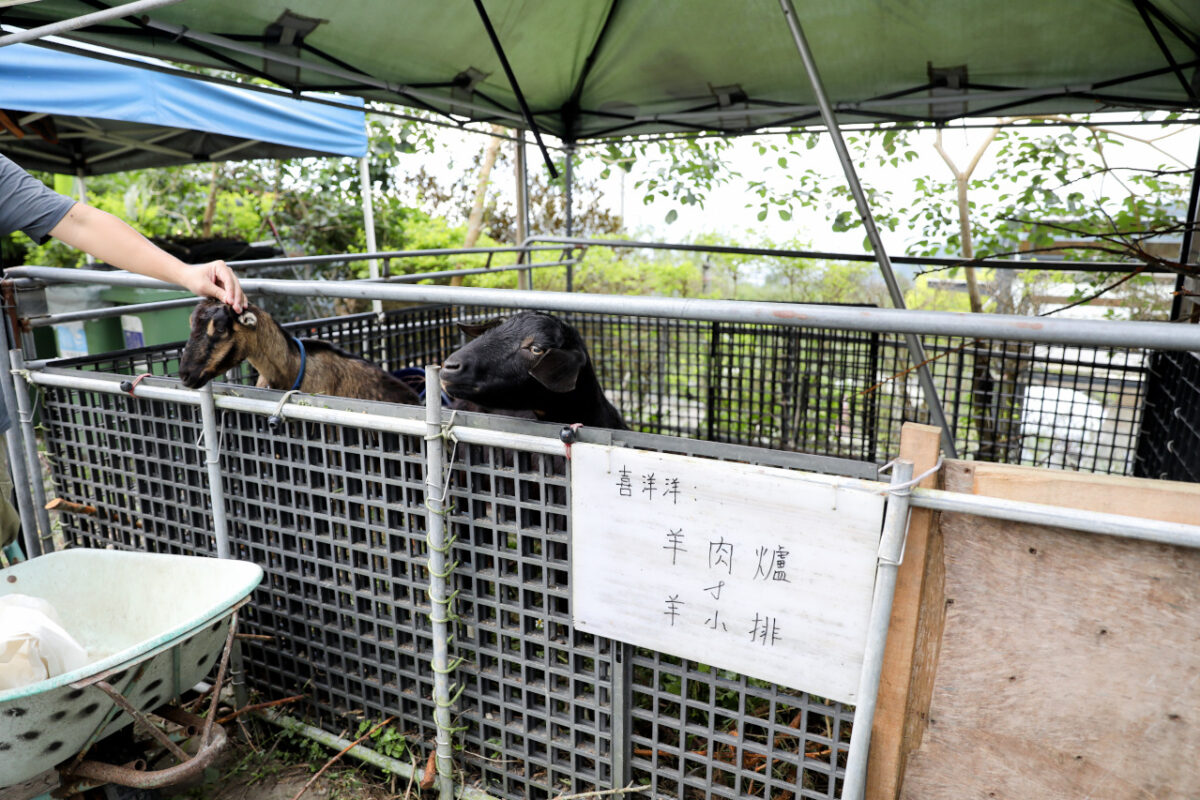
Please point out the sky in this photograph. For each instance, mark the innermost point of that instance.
(726, 212)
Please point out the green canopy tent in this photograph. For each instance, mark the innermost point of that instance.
(598, 68)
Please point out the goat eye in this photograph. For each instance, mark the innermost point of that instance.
(536, 350)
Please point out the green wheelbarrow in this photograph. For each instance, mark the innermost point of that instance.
(155, 625)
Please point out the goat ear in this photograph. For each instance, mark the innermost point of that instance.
(475, 331)
(248, 318)
(558, 370)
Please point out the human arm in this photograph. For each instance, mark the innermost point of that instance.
(112, 241)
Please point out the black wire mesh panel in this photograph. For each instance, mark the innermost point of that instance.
(1169, 445)
(702, 732)
(1057, 406)
(844, 394)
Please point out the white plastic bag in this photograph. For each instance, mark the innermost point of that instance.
(33, 644)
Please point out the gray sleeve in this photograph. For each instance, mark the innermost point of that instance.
(27, 204)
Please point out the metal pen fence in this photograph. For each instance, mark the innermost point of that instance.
(335, 515)
(824, 392)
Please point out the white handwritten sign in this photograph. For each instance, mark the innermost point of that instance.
(763, 571)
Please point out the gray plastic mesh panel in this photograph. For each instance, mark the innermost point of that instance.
(536, 691)
(335, 516)
(136, 462)
(703, 732)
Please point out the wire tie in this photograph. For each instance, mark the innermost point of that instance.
(450, 701)
(443, 575)
(905, 488)
(449, 599)
(882, 560)
(453, 665)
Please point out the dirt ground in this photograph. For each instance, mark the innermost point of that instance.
(285, 768)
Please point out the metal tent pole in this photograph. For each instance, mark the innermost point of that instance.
(25, 412)
(1186, 248)
(84, 21)
(18, 466)
(569, 186)
(524, 278)
(368, 203)
(916, 350)
(212, 461)
(1045, 330)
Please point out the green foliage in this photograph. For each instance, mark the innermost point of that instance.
(386, 741)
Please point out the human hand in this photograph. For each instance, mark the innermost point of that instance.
(216, 280)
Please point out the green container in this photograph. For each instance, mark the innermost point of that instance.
(146, 328)
(75, 339)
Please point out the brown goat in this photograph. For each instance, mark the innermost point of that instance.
(221, 339)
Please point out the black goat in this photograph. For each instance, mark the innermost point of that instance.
(530, 362)
(221, 339)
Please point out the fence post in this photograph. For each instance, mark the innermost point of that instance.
(440, 569)
(28, 438)
(891, 549)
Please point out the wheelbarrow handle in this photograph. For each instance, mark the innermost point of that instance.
(153, 779)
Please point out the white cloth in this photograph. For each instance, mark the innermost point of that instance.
(33, 644)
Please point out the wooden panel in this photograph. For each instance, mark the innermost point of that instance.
(906, 659)
(1168, 501)
(1069, 664)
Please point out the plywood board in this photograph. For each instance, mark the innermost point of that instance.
(1069, 663)
(903, 697)
(767, 572)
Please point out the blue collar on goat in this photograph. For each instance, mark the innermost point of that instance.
(303, 364)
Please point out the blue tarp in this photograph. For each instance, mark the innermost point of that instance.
(110, 117)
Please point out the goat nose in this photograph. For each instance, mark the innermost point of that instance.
(451, 366)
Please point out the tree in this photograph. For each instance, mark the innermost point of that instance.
(1017, 187)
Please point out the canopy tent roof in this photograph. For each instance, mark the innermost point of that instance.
(599, 68)
(61, 112)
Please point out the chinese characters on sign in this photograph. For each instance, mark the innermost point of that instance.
(763, 571)
(769, 564)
